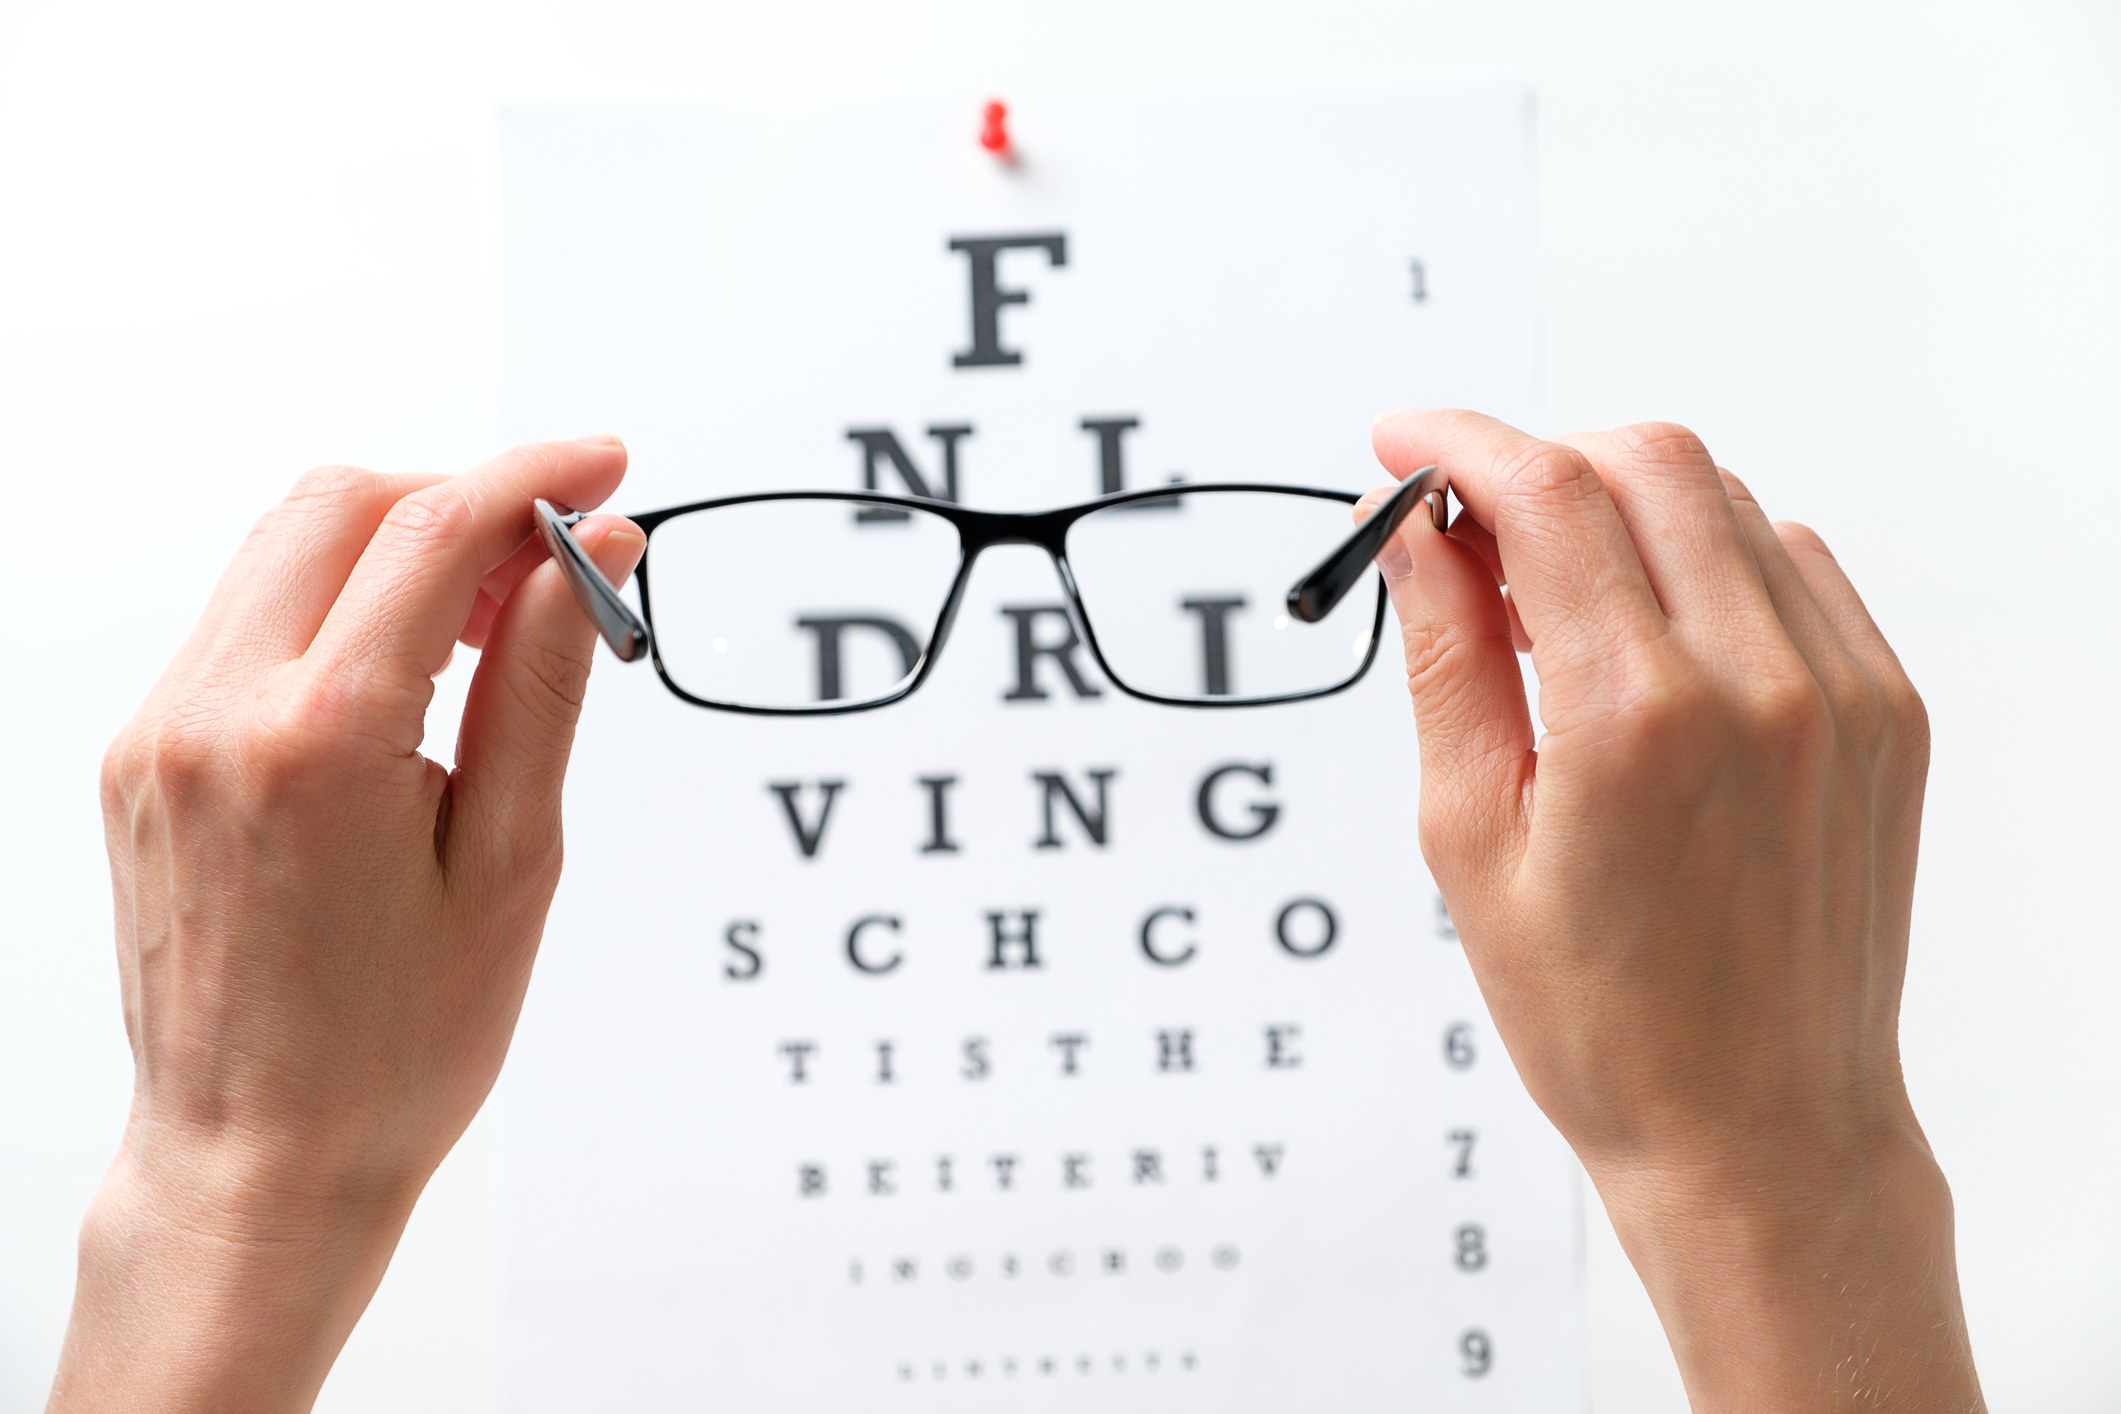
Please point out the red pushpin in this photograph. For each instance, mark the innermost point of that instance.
(994, 132)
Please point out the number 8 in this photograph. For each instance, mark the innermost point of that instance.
(1472, 1247)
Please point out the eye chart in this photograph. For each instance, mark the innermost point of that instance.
(1021, 1045)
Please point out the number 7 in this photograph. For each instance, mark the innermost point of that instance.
(1463, 1138)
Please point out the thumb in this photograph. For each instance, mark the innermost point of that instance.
(520, 716)
(1469, 702)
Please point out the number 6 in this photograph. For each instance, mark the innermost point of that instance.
(1458, 1045)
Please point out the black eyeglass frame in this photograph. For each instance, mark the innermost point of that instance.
(1310, 599)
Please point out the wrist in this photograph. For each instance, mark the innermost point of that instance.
(1808, 1279)
(214, 1276)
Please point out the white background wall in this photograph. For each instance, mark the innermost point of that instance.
(1871, 253)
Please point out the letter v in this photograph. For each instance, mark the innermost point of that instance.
(807, 837)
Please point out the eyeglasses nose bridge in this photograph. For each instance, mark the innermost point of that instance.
(980, 531)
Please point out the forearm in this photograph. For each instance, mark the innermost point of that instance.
(197, 1293)
(1837, 1294)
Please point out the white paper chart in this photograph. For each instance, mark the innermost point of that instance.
(1021, 1045)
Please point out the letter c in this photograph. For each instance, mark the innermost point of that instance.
(854, 945)
(1149, 936)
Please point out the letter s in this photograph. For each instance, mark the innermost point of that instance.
(740, 936)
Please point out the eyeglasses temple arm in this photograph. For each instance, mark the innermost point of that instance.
(1317, 593)
(614, 618)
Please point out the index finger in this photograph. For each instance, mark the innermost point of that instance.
(1573, 572)
(416, 584)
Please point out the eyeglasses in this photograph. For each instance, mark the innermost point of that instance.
(816, 602)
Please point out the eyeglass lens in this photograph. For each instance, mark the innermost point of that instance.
(1188, 600)
(784, 604)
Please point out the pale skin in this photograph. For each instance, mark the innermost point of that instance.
(1687, 903)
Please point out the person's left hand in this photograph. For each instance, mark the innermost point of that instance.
(324, 937)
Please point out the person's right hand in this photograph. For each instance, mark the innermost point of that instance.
(1687, 904)
(324, 937)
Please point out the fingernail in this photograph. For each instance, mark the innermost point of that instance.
(1394, 558)
(622, 547)
(1391, 413)
(598, 439)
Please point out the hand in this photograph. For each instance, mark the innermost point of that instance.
(323, 937)
(1687, 903)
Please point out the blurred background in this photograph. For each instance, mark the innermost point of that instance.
(1867, 252)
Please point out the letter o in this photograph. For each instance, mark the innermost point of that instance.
(1289, 945)
(854, 945)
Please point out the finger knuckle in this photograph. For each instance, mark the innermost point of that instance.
(541, 461)
(183, 756)
(1435, 649)
(1908, 716)
(325, 723)
(535, 858)
(1880, 716)
(1546, 471)
(1737, 490)
(1797, 536)
(1665, 444)
(317, 731)
(1687, 727)
(334, 485)
(1861, 712)
(553, 681)
(437, 515)
(126, 766)
(1785, 710)
(291, 734)
(1661, 698)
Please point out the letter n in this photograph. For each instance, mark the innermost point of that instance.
(1093, 818)
(881, 447)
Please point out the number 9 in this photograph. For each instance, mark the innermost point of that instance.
(1478, 1352)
